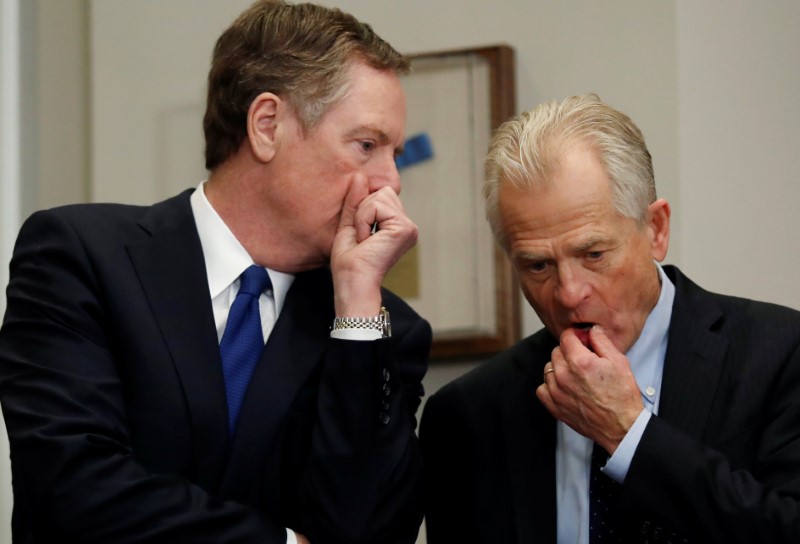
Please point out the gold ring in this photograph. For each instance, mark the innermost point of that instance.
(546, 372)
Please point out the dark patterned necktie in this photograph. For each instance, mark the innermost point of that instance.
(603, 495)
(243, 339)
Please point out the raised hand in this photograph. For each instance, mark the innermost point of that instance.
(360, 259)
(591, 388)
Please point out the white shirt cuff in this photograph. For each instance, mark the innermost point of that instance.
(291, 538)
(356, 334)
(618, 464)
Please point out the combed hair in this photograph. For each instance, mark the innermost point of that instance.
(527, 149)
(300, 52)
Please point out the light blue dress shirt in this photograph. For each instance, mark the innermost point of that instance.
(573, 451)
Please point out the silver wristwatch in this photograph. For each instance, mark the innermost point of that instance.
(378, 323)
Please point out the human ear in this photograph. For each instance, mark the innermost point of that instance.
(262, 124)
(658, 228)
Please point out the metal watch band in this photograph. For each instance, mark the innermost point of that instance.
(379, 323)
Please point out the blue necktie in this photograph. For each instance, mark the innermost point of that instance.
(243, 340)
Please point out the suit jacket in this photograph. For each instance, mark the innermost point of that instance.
(112, 391)
(720, 462)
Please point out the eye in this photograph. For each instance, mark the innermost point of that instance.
(594, 255)
(536, 267)
(367, 145)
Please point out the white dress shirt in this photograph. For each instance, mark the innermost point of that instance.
(225, 260)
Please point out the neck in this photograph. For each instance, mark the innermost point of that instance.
(235, 190)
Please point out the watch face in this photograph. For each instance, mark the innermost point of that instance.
(387, 324)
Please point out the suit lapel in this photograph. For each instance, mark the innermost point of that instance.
(694, 359)
(172, 272)
(530, 434)
(294, 349)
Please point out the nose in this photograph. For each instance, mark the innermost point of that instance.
(385, 175)
(572, 288)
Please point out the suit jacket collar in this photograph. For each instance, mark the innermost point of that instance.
(169, 263)
(695, 356)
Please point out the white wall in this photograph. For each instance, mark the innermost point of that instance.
(17, 163)
(739, 116)
(10, 170)
(713, 85)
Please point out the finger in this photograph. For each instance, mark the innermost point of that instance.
(548, 369)
(543, 394)
(394, 226)
(358, 191)
(558, 361)
(571, 345)
(388, 194)
(380, 206)
(602, 344)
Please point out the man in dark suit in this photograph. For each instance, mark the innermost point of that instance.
(128, 423)
(695, 396)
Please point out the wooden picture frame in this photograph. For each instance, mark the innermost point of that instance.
(456, 277)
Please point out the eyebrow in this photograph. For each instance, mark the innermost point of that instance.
(527, 256)
(588, 244)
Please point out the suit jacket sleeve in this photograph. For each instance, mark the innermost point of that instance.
(364, 481)
(722, 462)
(734, 496)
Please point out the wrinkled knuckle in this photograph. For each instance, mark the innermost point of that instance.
(413, 235)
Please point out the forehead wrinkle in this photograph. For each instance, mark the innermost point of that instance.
(528, 255)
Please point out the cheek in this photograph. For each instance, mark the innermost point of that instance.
(326, 195)
(629, 298)
(537, 296)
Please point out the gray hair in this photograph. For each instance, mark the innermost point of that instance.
(527, 149)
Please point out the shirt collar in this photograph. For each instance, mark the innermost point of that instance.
(648, 352)
(224, 255)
